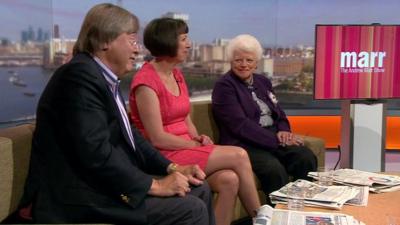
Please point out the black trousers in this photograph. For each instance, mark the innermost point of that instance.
(273, 167)
(193, 209)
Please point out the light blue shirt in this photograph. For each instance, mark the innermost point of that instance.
(113, 84)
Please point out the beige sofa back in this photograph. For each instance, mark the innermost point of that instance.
(201, 114)
(6, 176)
(15, 151)
(15, 148)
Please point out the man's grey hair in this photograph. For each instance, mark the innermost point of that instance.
(102, 24)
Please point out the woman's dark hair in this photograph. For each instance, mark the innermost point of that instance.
(161, 36)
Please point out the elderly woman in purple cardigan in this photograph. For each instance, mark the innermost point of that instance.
(248, 115)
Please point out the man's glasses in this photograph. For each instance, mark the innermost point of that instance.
(133, 40)
(134, 43)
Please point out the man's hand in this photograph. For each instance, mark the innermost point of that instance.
(173, 184)
(193, 172)
(203, 139)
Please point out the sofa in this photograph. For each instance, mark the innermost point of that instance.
(201, 115)
(15, 146)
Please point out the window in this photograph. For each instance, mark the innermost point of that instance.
(31, 49)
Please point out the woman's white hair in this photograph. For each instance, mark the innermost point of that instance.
(246, 43)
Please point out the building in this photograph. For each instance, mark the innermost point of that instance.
(175, 15)
(56, 31)
(284, 66)
(221, 41)
(214, 52)
(57, 52)
(266, 66)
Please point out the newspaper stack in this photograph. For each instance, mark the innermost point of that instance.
(333, 197)
(376, 182)
(270, 216)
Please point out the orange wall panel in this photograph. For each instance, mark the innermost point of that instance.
(393, 132)
(325, 127)
(328, 128)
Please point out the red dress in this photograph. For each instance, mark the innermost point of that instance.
(174, 110)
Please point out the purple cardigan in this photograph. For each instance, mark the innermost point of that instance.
(237, 115)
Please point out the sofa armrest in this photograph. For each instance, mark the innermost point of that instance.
(14, 161)
(6, 176)
(317, 146)
(201, 114)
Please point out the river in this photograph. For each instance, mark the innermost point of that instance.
(18, 103)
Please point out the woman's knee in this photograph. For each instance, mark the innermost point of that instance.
(228, 157)
(241, 155)
(228, 181)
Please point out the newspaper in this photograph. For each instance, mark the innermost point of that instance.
(322, 196)
(361, 198)
(289, 217)
(375, 181)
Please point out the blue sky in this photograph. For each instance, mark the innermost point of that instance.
(273, 22)
(207, 18)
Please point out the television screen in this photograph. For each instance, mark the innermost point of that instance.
(357, 62)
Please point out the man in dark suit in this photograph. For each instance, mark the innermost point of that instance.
(88, 165)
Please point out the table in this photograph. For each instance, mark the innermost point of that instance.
(379, 207)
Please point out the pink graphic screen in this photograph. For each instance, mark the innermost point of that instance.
(357, 62)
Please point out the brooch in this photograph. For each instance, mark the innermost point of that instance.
(272, 97)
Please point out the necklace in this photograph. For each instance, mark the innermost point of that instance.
(165, 74)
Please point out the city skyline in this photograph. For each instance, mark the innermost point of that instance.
(274, 22)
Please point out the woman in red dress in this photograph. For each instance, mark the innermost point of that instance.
(160, 107)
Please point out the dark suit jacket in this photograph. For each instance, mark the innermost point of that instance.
(237, 115)
(83, 167)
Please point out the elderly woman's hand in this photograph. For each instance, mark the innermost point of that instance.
(297, 140)
(287, 138)
(284, 137)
